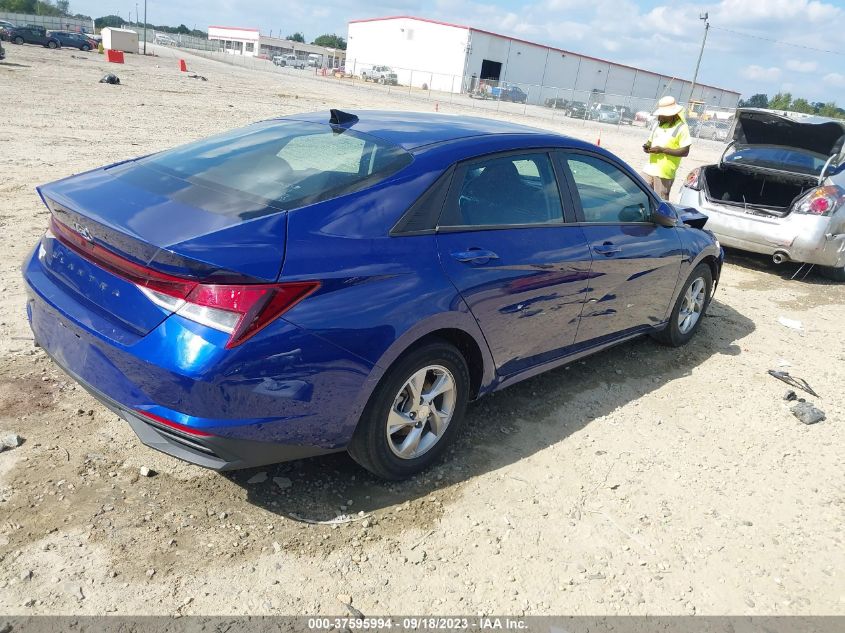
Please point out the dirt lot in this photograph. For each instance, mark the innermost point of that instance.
(644, 480)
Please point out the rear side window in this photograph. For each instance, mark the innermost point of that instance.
(286, 164)
(508, 190)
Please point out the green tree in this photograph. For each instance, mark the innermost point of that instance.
(802, 105)
(781, 101)
(755, 101)
(114, 21)
(331, 41)
(296, 37)
(830, 110)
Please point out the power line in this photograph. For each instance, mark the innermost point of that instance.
(766, 39)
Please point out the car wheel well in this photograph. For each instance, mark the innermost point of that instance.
(468, 348)
(714, 268)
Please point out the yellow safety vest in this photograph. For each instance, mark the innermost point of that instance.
(671, 137)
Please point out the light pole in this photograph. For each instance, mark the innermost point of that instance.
(701, 16)
(145, 27)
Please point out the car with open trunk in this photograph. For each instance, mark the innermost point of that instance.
(778, 189)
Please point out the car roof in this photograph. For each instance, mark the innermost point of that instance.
(411, 130)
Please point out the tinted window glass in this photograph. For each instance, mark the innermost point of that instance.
(779, 158)
(505, 191)
(607, 193)
(287, 164)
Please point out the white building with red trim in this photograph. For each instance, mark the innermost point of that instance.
(236, 40)
(454, 58)
(249, 42)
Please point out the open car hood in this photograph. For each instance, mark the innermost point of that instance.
(816, 134)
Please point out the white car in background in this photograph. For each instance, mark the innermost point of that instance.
(289, 60)
(779, 189)
(165, 40)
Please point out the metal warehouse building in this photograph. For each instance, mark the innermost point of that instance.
(452, 58)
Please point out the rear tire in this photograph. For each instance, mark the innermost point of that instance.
(423, 398)
(836, 274)
(18, 40)
(51, 44)
(689, 309)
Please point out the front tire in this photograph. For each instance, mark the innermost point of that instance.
(414, 414)
(689, 309)
(18, 41)
(52, 44)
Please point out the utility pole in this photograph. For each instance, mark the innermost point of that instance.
(145, 27)
(701, 16)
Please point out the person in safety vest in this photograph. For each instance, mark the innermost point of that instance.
(669, 142)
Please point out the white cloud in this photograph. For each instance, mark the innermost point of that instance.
(835, 79)
(758, 73)
(802, 67)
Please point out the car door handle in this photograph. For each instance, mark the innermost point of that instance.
(475, 255)
(606, 249)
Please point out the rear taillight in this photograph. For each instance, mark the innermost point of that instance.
(821, 200)
(240, 310)
(693, 180)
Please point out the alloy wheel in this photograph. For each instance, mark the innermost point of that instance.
(692, 306)
(421, 412)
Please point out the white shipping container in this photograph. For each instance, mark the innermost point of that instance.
(120, 40)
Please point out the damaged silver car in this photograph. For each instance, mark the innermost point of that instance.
(779, 189)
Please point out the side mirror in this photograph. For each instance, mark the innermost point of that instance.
(665, 215)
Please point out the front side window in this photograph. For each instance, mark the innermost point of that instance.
(607, 193)
(509, 190)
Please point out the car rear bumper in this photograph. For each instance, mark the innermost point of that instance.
(799, 237)
(285, 396)
(217, 453)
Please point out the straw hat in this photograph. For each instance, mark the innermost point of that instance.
(667, 106)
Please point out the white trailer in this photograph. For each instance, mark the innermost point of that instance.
(120, 40)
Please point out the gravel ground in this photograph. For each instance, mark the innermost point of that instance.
(643, 480)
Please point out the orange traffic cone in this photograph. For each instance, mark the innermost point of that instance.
(183, 66)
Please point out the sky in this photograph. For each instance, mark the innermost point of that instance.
(664, 37)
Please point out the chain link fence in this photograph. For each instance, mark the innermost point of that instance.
(49, 22)
(546, 102)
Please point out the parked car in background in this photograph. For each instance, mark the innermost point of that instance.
(604, 113)
(556, 103)
(514, 94)
(626, 115)
(467, 254)
(32, 35)
(576, 110)
(381, 74)
(73, 40)
(778, 190)
(2, 52)
(164, 40)
(339, 72)
(5, 25)
(290, 60)
(714, 129)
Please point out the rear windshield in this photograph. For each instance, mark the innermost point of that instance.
(781, 158)
(286, 164)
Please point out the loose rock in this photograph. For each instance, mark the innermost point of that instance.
(282, 482)
(807, 413)
(144, 471)
(258, 478)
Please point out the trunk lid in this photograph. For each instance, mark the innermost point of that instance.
(814, 134)
(158, 221)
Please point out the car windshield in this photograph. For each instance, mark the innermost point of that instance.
(285, 164)
(781, 158)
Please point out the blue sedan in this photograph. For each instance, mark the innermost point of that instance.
(350, 281)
